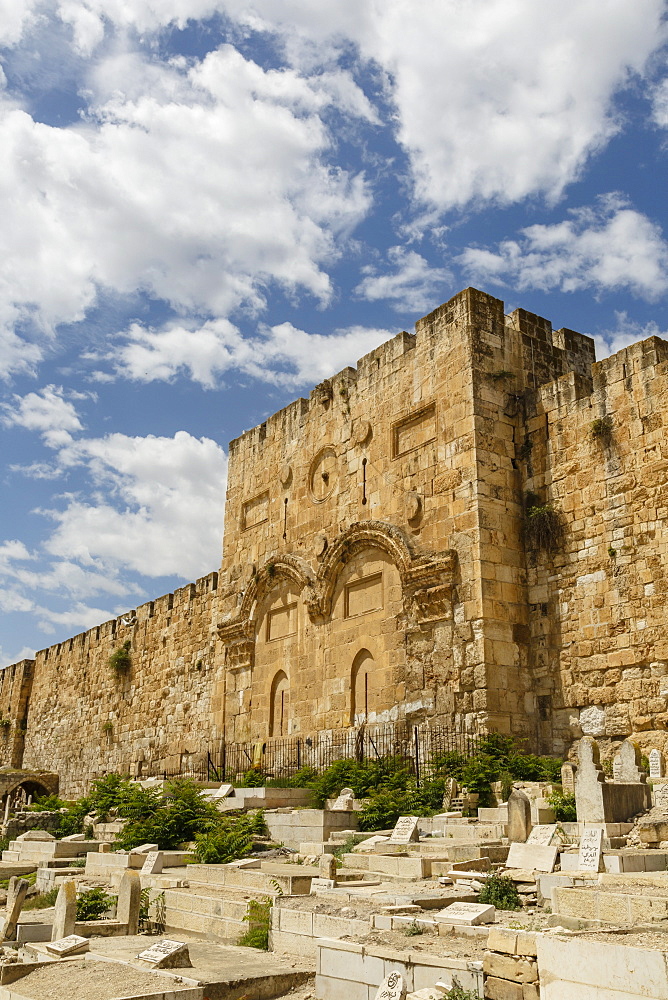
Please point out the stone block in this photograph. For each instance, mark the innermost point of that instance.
(501, 989)
(511, 967)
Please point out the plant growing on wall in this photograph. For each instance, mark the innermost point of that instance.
(601, 429)
(120, 660)
(543, 524)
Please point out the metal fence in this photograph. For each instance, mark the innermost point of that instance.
(417, 748)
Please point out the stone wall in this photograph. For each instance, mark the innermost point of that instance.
(376, 565)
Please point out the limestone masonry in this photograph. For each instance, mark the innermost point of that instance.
(468, 527)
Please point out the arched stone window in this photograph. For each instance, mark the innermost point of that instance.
(359, 686)
(278, 711)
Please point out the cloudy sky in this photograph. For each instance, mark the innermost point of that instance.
(206, 206)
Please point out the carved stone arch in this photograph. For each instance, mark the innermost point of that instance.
(360, 536)
(277, 570)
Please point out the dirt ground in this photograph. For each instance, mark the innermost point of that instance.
(88, 980)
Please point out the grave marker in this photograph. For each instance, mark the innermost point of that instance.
(223, 792)
(405, 830)
(323, 883)
(16, 894)
(661, 795)
(344, 800)
(656, 764)
(519, 816)
(73, 944)
(469, 914)
(626, 764)
(167, 954)
(568, 778)
(536, 857)
(542, 834)
(129, 900)
(65, 916)
(589, 857)
(327, 866)
(393, 987)
(153, 864)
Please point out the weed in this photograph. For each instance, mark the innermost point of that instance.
(151, 924)
(501, 376)
(107, 727)
(564, 807)
(258, 918)
(612, 552)
(543, 524)
(601, 429)
(42, 900)
(457, 992)
(120, 661)
(413, 929)
(93, 904)
(501, 892)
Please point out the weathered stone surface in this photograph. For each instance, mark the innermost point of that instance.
(519, 816)
(129, 899)
(65, 915)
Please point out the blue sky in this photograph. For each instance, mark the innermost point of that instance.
(209, 205)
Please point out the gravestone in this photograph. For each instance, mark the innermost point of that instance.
(344, 800)
(16, 894)
(129, 900)
(153, 864)
(589, 856)
(74, 838)
(568, 778)
(470, 914)
(65, 916)
(661, 795)
(38, 835)
(656, 764)
(144, 849)
(626, 764)
(519, 817)
(405, 830)
(327, 866)
(73, 944)
(393, 987)
(223, 792)
(542, 834)
(322, 883)
(589, 777)
(535, 857)
(450, 793)
(167, 954)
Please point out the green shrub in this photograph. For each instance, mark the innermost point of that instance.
(166, 818)
(258, 916)
(120, 661)
(457, 992)
(501, 892)
(225, 843)
(93, 904)
(303, 778)
(253, 778)
(42, 900)
(47, 803)
(544, 526)
(413, 929)
(564, 807)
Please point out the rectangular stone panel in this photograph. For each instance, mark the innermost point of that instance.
(255, 511)
(364, 595)
(282, 622)
(414, 431)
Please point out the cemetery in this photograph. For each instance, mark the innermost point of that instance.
(505, 901)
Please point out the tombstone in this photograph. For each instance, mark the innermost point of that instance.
(167, 954)
(470, 914)
(153, 864)
(656, 764)
(327, 866)
(74, 944)
(568, 778)
(323, 883)
(588, 779)
(534, 857)
(450, 793)
(405, 830)
(543, 834)
(589, 856)
(74, 838)
(38, 835)
(661, 795)
(144, 849)
(16, 894)
(223, 792)
(519, 817)
(129, 899)
(626, 764)
(344, 800)
(393, 987)
(65, 916)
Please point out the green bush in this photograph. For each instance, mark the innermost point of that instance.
(564, 807)
(41, 900)
(47, 803)
(258, 915)
(457, 992)
(253, 778)
(303, 778)
(166, 818)
(93, 904)
(501, 892)
(120, 661)
(231, 840)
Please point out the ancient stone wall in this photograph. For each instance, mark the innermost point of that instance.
(84, 718)
(598, 603)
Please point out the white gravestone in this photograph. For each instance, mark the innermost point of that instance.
(469, 914)
(405, 830)
(626, 764)
(589, 857)
(153, 864)
(223, 792)
(542, 834)
(322, 883)
(344, 800)
(661, 795)
(568, 778)
(73, 944)
(393, 987)
(535, 857)
(656, 764)
(167, 954)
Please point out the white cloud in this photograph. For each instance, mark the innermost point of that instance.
(494, 101)
(412, 286)
(282, 354)
(46, 412)
(198, 185)
(157, 508)
(7, 658)
(610, 246)
(625, 332)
